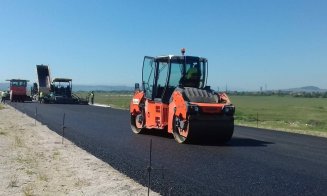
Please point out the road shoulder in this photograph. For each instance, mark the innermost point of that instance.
(34, 161)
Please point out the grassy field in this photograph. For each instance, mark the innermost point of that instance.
(116, 100)
(284, 113)
(274, 112)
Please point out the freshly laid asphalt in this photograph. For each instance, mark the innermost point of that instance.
(254, 162)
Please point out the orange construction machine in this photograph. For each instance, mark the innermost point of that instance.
(18, 90)
(174, 97)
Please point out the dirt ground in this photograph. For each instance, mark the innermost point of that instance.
(33, 161)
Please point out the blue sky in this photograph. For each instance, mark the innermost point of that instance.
(280, 43)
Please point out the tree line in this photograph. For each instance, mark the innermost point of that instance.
(280, 93)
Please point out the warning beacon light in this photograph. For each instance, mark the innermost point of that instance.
(183, 51)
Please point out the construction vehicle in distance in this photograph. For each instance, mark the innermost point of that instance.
(43, 85)
(174, 97)
(59, 90)
(17, 90)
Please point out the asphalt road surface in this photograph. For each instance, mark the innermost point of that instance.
(254, 162)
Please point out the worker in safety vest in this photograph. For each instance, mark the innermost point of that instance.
(3, 96)
(40, 97)
(192, 72)
(192, 78)
(92, 97)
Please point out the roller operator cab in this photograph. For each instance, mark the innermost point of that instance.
(174, 97)
(18, 90)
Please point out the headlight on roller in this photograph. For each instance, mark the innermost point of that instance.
(193, 109)
(229, 109)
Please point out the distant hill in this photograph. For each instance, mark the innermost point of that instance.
(307, 89)
(4, 86)
(101, 88)
(78, 87)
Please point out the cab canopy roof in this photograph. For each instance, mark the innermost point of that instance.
(61, 80)
(17, 80)
(178, 57)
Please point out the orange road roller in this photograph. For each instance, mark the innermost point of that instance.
(174, 98)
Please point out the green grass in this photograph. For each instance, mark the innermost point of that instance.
(18, 142)
(276, 112)
(116, 100)
(28, 190)
(3, 133)
(13, 182)
(286, 112)
(43, 177)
